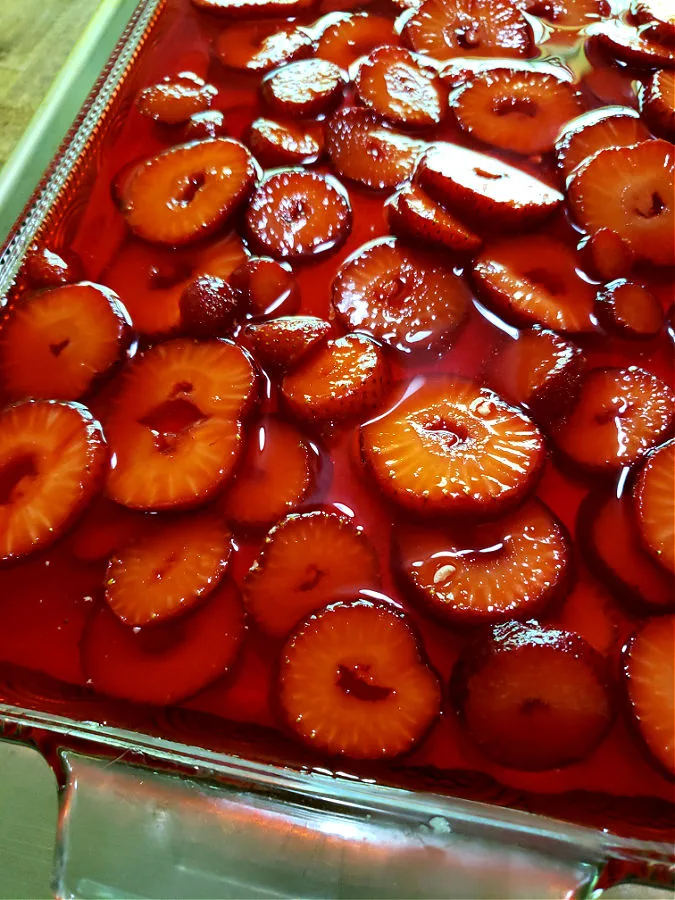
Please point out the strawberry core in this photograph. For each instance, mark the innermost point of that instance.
(12, 474)
(358, 682)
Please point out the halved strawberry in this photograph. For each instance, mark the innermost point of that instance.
(102, 528)
(659, 15)
(567, 13)
(532, 697)
(539, 370)
(262, 46)
(606, 255)
(267, 287)
(598, 129)
(344, 379)
(649, 679)
(46, 267)
(365, 149)
(279, 344)
(654, 498)
(208, 307)
(173, 100)
(285, 143)
(453, 448)
(636, 46)
(657, 103)
(307, 561)
(489, 193)
(305, 88)
(353, 682)
(395, 86)
(355, 35)
(469, 28)
(516, 110)
(412, 214)
(404, 298)
(620, 415)
(248, 9)
(534, 280)
(167, 569)
(53, 458)
(201, 125)
(175, 426)
(276, 474)
(188, 191)
(57, 343)
(514, 567)
(168, 662)
(628, 309)
(297, 213)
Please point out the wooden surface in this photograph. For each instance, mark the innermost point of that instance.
(36, 36)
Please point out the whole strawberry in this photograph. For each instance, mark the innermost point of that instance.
(208, 307)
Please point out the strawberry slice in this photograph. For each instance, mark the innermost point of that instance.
(58, 343)
(353, 36)
(277, 473)
(598, 129)
(285, 143)
(395, 86)
(267, 287)
(208, 307)
(305, 88)
(629, 310)
(453, 448)
(655, 504)
(534, 281)
(353, 683)
(621, 413)
(657, 103)
(175, 426)
(53, 459)
(167, 569)
(261, 46)
(173, 100)
(567, 13)
(413, 215)
(659, 15)
(606, 255)
(486, 191)
(207, 124)
(365, 149)
(534, 698)
(345, 379)
(102, 528)
(469, 28)
(307, 561)
(516, 110)
(539, 370)
(487, 573)
(248, 9)
(46, 267)
(279, 344)
(298, 213)
(405, 299)
(188, 191)
(649, 676)
(167, 662)
(635, 46)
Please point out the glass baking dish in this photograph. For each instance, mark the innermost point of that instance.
(145, 816)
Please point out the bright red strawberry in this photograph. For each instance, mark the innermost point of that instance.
(308, 561)
(53, 459)
(649, 673)
(175, 427)
(659, 15)
(655, 505)
(365, 149)
(305, 88)
(173, 100)
(354, 36)
(413, 215)
(620, 415)
(469, 28)
(606, 255)
(598, 129)
(279, 344)
(262, 46)
(534, 698)
(516, 110)
(514, 567)
(285, 143)
(267, 287)
(629, 310)
(208, 307)
(298, 213)
(188, 191)
(353, 683)
(657, 103)
(453, 448)
(201, 125)
(404, 298)
(567, 13)
(248, 9)
(58, 343)
(165, 663)
(534, 281)
(167, 569)
(489, 193)
(344, 379)
(395, 86)
(45, 267)
(636, 46)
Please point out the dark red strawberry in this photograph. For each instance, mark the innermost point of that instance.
(405, 299)
(262, 46)
(45, 267)
(308, 561)
(606, 255)
(534, 698)
(188, 191)
(175, 426)
(57, 343)
(168, 568)
(657, 103)
(590, 610)
(609, 126)
(208, 307)
(620, 415)
(298, 213)
(534, 280)
(207, 124)
(395, 86)
(305, 88)
(353, 682)
(654, 498)
(174, 100)
(165, 663)
(102, 528)
(413, 215)
(285, 143)
(53, 459)
(514, 567)
(279, 344)
(659, 15)
(453, 448)
(629, 310)
(248, 9)
(516, 110)
(267, 287)
(567, 13)
(355, 35)
(636, 46)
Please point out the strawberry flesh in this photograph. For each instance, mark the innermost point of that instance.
(285, 143)
(354, 36)
(657, 103)
(267, 287)
(261, 46)
(172, 102)
(655, 505)
(587, 134)
(629, 310)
